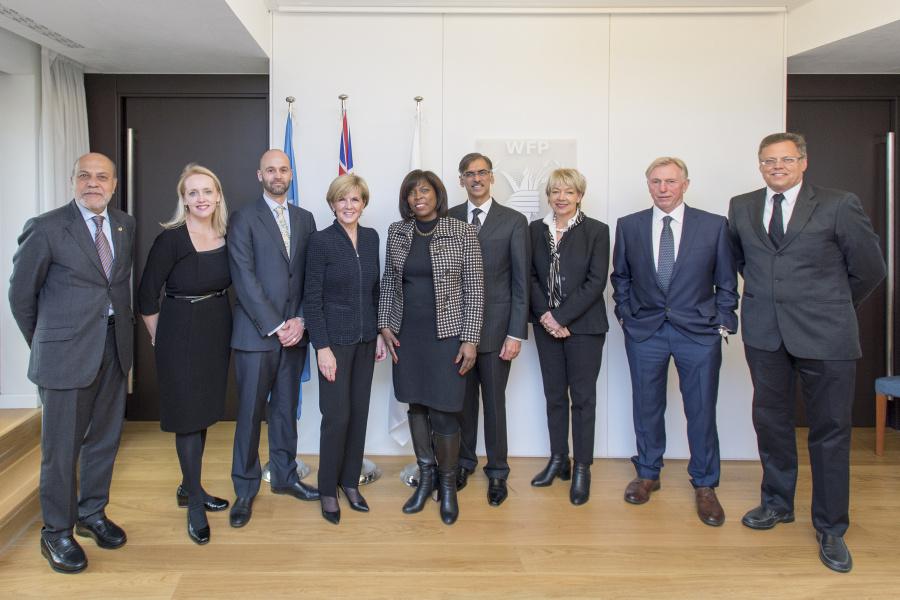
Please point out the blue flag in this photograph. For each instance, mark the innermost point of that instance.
(294, 198)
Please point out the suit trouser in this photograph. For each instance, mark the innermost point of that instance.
(344, 404)
(828, 388)
(698, 379)
(81, 426)
(272, 375)
(570, 365)
(490, 374)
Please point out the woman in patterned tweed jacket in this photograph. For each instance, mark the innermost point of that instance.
(430, 315)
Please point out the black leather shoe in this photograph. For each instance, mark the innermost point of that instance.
(241, 512)
(581, 484)
(212, 503)
(356, 500)
(558, 466)
(462, 478)
(332, 516)
(497, 491)
(833, 552)
(106, 533)
(299, 490)
(64, 554)
(765, 518)
(198, 536)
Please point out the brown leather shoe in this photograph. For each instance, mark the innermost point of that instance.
(708, 508)
(638, 491)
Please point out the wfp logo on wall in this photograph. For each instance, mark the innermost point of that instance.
(521, 170)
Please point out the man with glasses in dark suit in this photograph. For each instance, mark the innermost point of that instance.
(503, 235)
(809, 257)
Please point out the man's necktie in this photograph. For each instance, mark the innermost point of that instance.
(103, 249)
(666, 260)
(476, 220)
(776, 223)
(282, 226)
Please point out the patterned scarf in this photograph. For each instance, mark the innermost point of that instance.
(554, 283)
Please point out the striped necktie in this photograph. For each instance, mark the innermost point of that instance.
(102, 244)
(476, 219)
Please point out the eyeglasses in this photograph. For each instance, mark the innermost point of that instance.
(788, 161)
(472, 174)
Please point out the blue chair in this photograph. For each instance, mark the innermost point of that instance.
(884, 387)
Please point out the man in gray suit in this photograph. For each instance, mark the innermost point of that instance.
(267, 242)
(808, 256)
(503, 235)
(70, 295)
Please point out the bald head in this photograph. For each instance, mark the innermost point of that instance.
(275, 174)
(94, 181)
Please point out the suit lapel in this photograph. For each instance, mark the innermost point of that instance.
(78, 229)
(294, 216)
(268, 220)
(119, 243)
(756, 208)
(491, 222)
(803, 210)
(688, 233)
(645, 227)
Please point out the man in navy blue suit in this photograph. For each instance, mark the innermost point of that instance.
(675, 285)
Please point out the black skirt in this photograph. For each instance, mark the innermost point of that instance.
(425, 372)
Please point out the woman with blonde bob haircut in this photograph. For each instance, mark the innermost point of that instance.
(340, 304)
(191, 330)
(570, 262)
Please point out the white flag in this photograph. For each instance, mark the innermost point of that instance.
(397, 421)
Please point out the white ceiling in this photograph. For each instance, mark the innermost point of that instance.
(141, 36)
(873, 51)
(205, 36)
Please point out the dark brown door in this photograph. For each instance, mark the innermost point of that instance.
(227, 135)
(846, 140)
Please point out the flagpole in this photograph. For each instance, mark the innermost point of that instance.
(410, 473)
(369, 471)
(303, 469)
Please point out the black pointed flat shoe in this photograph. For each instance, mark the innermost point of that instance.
(211, 503)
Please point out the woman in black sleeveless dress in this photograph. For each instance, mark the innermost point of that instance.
(191, 331)
(430, 315)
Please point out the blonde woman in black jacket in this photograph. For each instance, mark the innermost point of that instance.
(340, 304)
(430, 314)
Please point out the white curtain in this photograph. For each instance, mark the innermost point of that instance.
(64, 127)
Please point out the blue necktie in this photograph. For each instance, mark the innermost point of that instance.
(666, 260)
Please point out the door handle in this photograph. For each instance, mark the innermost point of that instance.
(890, 215)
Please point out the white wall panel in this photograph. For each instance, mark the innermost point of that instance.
(626, 88)
(705, 89)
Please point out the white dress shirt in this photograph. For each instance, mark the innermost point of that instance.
(677, 223)
(484, 208)
(273, 205)
(787, 205)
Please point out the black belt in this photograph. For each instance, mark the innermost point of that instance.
(200, 298)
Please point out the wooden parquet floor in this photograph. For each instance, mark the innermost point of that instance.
(536, 545)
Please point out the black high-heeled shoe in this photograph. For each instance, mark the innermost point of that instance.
(211, 503)
(359, 504)
(332, 516)
(198, 536)
(557, 466)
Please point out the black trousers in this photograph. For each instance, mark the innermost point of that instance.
(344, 404)
(82, 425)
(489, 376)
(272, 376)
(828, 387)
(570, 366)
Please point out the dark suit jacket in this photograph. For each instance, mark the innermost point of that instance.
(340, 299)
(458, 278)
(505, 253)
(584, 265)
(703, 290)
(59, 296)
(804, 293)
(268, 284)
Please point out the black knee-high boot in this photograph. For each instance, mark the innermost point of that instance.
(447, 450)
(420, 430)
